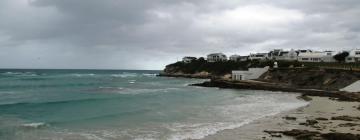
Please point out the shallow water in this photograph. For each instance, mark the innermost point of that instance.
(118, 104)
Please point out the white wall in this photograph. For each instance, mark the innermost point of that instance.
(252, 73)
(355, 87)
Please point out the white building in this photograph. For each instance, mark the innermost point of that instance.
(258, 56)
(274, 54)
(188, 59)
(354, 56)
(216, 57)
(328, 56)
(238, 58)
(252, 73)
(309, 56)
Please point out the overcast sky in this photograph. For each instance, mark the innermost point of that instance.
(148, 34)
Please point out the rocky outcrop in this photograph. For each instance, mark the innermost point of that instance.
(256, 85)
(312, 78)
(314, 135)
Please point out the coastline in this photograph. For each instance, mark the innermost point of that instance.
(330, 115)
(260, 85)
(323, 118)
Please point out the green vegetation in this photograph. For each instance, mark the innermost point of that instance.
(219, 68)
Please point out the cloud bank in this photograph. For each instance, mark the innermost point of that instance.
(143, 34)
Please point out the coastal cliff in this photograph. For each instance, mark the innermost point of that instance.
(200, 68)
(311, 78)
(288, 75)
(308, 81)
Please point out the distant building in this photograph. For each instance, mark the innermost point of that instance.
(216, 57)
(274, 54)
(354, 56)
(258, 56)
(309, 56)
(238, 58)
(328, 56)
(188, 59)
(252, 73)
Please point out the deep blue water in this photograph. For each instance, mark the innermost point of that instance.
(124, 104)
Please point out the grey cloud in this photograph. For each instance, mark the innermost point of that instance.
(148, 34)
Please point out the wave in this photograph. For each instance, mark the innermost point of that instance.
(129, 75)
(52, 102)
(149, 74)
(132, 91)
(202, 130)
(35, 125)
(83, 74)
(125, 75)
(19, 74)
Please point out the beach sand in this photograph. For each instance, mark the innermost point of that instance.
(319, 107)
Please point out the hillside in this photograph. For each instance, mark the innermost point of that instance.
(202, 68)
(311, 78)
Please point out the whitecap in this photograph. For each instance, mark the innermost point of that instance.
(149, 74)
(19, 73)
(124, 75)
(35, 125)
(82, 74)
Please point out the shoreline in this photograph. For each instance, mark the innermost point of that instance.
(331, 114)
(322, 118)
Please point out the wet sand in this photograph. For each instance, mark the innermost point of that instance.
(317, 116)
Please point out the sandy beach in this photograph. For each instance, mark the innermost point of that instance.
(321, 116)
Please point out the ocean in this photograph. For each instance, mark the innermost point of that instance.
(124, 105)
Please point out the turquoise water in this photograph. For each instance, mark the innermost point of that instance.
(120, 104)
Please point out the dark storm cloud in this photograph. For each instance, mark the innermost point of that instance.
(147, 34)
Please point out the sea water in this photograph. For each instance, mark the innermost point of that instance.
(124, 105)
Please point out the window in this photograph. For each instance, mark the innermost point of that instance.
(316, 59)
(349, 59)
(328, 54)
(305, 59)
(357, 53)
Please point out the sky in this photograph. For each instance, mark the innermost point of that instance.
(149, 34)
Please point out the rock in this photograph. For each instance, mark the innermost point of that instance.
(314, 135)
(341, 136)
(311, 122)
(358, 108)
(315, 126)
(301, 134)
(305, 98)
(289, 118)
(346, 118)
(321, 119)
(276, 135)
(348, 125)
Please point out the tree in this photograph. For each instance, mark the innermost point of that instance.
(341, 56)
